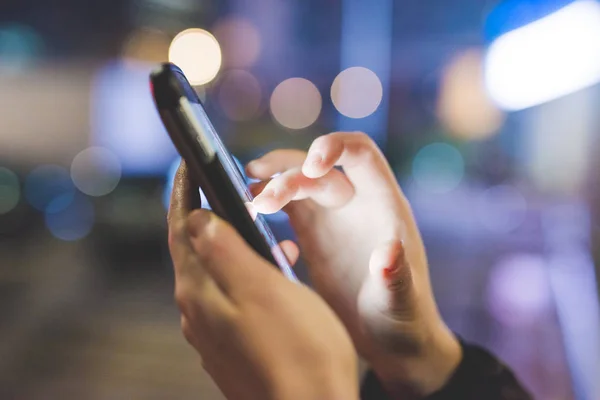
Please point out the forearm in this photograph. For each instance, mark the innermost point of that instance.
(317, 383)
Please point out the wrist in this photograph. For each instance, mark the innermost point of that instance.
(306, 390)
(423, 371)
(315, 385)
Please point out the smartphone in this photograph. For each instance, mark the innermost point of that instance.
(210, 164)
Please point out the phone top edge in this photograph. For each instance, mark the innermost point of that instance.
(169, 85)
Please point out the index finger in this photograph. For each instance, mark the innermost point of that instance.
(359, 156)
(185, 196)
(195, 289)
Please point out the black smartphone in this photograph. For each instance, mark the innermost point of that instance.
(210, 164)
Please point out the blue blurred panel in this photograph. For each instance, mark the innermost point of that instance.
(367, 42)
(125, 120)
(512, 14)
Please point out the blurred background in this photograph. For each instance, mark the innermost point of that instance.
(488, 112)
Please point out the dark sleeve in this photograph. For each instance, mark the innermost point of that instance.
(479, 376)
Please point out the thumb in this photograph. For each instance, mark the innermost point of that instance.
(389, 288)
(223, 253)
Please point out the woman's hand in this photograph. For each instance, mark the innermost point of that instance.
(364, 253)
(260, 336)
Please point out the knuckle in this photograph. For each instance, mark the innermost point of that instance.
(362, 136)
(184, 297)
(213, 242)
(171, 240)
(177, 229)
(365, 141)
(187, 331)
(291, 181)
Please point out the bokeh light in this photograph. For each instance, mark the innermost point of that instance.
(198, 54)
(72, 222)
(464, 107)
(49, 188)
(502, 209)
(240, 95)
(240, 41)
(19, 46)
(438, 168)
(296, 103)
(357, 92)
(519, 289)
(96, 171)
(10, 190)
(147, 45)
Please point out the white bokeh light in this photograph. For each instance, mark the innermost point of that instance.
(357, 92)
(296, 103)
(198, 54)
(547, 59)
(96, 171)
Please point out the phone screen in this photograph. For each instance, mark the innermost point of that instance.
(210, 140)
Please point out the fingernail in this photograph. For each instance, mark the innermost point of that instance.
(252, 210)
(399, 260)
(390, 270)
(197, 222)
(314, 159)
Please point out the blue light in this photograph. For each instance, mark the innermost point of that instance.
(73, 222)
(49, 188)
(512, 14)
(125, 120)
(438, 168)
